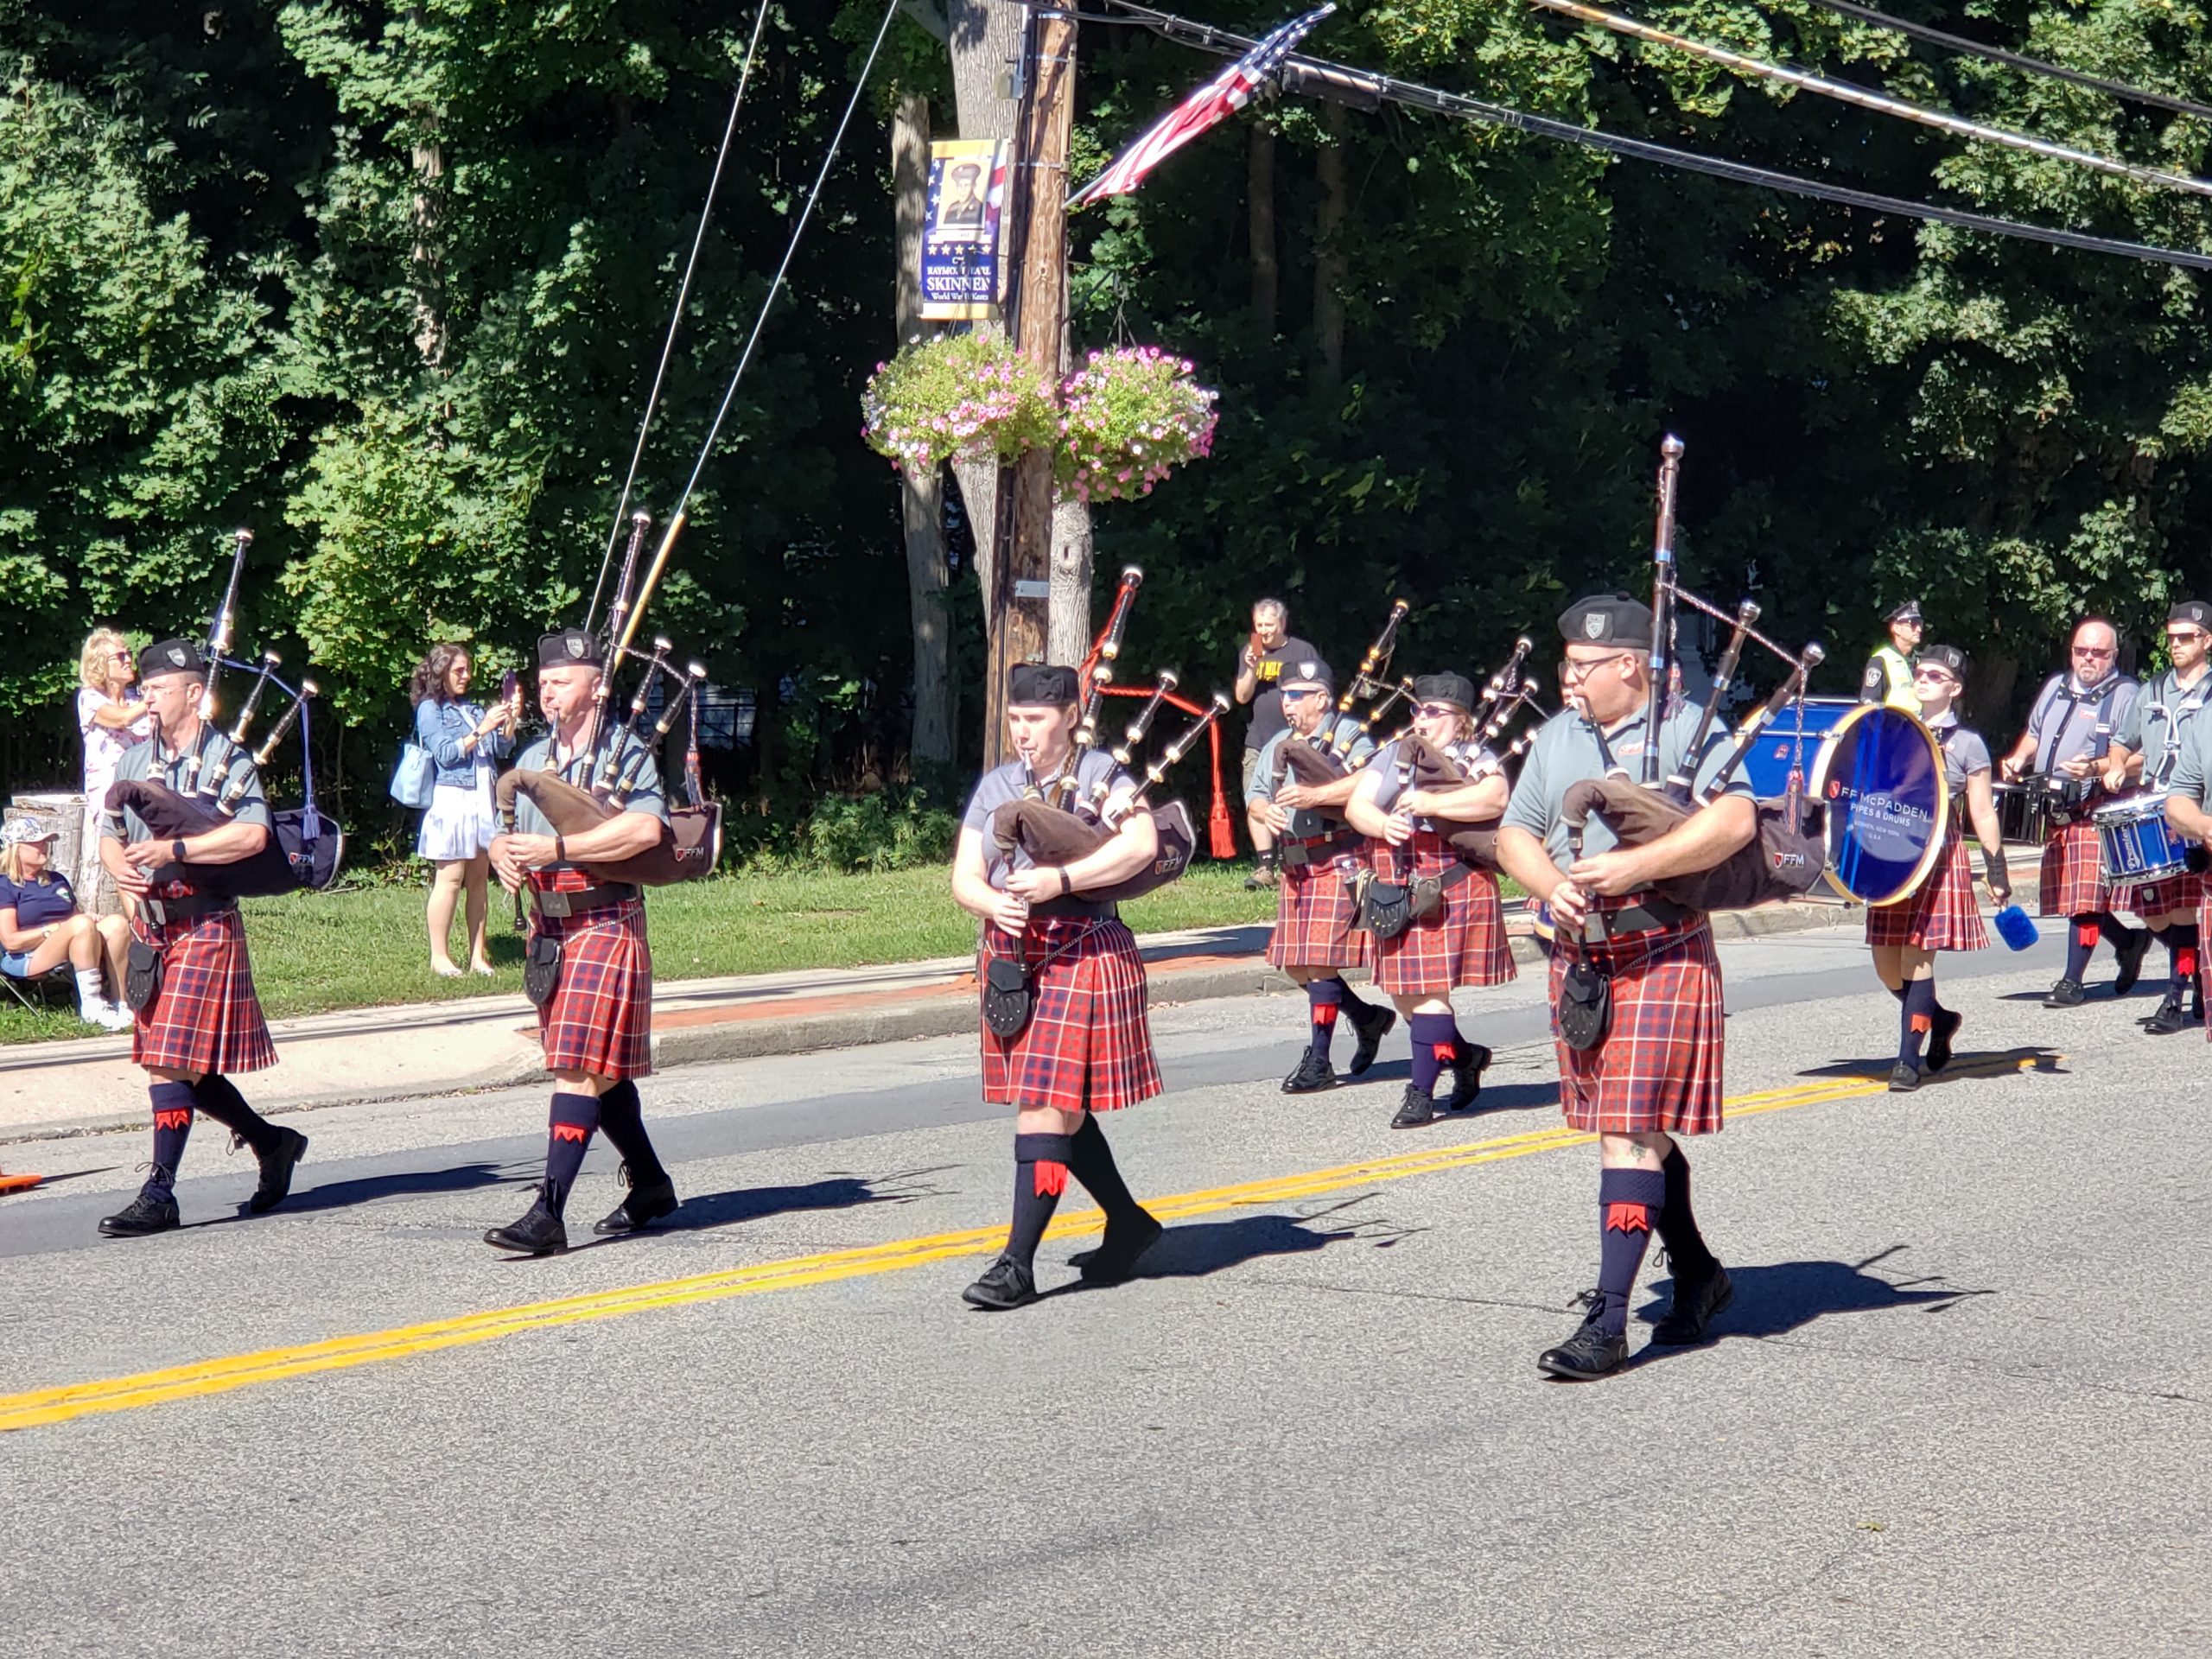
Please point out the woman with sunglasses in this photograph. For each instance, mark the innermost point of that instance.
(2169, 710)
(1462, 941)
(1941, 915)
(113, 720)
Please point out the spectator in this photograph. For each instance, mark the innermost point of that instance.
(41, 927)
(457, 830)
(111, 721)
(1259, 676)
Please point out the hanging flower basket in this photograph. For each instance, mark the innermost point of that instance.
(957, 397)
(1129, 417)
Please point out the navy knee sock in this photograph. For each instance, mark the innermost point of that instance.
(1325, 998)
(2181, 954)
(219, 1098)
(568, 1138)
(1918, 1020)
(1090, 1160)
(172, 1128)
(2081, 935)
(1629, 1203)
(1040, 1175)
(1436, 1044)
(621, 1118)
(1678, 1230)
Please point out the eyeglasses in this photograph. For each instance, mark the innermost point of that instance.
(2095, 653)
(1574, 669)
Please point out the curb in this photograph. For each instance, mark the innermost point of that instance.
(951, 1013)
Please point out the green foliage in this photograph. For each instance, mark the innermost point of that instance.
(874, 832)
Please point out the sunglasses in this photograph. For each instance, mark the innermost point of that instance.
(1438, 711)
(1934, 674)
(2184, 636)
(1581, 668)
(2096, 653)
(118, 656)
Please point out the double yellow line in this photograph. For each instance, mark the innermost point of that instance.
(42, 1406)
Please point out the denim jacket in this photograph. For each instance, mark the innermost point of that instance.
(439, 728)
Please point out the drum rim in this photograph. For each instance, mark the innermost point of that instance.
(1937, 843)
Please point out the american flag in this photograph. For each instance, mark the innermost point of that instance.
(1215, 102)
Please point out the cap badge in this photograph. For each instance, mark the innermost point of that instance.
(175, 654)
(1593, 625)
(576, 647)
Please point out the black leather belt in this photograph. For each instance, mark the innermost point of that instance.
(1320, 849)
(552, 903)
(1648, 914)
(1069, 905)
(193, 905)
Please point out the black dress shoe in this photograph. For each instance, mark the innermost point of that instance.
(2169, 1019)
(1904, 1077)
(1417, 1110)
(1005, 1284)
(2067, 994)
(1372, 1030)
(143, 1215)
(1128, 1238)
(1939, 1040)
(643, 1206)
(1589, 1353)
(540, 1232)
(277, 1165)
(1697, 1302)
(1310, 1076)
(2131, 954)
(1467, 1077)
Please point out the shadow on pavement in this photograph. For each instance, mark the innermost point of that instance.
(1777, 1298)
(835, 1192)
(1967, 1063)
(400, 1183)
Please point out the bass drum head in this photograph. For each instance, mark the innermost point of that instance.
(1880, 775)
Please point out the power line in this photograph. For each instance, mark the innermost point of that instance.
(1332, 80)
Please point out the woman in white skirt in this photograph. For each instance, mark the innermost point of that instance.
(112, 719)
(467, 744)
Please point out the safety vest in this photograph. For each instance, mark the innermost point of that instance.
(1888, 680)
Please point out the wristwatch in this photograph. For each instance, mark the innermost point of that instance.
(176, 849)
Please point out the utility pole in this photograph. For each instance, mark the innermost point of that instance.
(1020, 599)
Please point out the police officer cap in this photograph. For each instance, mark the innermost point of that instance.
(1046, 683)
(1949, 658)
(1455, 689)
(570, 648)
(171, 657)
(2195, 612)
(1310, 674)
(1614, 618)
(1908, 611)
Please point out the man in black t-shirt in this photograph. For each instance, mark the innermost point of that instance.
(1259, 682)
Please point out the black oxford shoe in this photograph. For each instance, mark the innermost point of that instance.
(1697, 1302)
(1467, 1077)
(277, 1165)
(143, 1215)
(1005, 1284)
(1310, 1076)
(1588, 1354)
(540, 1232)
(1377, 1025)
(643, 1206)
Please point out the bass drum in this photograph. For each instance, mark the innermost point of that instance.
(1880, 775)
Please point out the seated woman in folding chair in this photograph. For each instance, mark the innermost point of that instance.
(42, 930)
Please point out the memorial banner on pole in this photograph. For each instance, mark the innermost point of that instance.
(960, 238)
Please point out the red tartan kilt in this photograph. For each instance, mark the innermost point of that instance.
(2184, 892)
(1314, 915)
(1461, 943)
(2073, 876)
(1942, 915)
(207, 1018)
(1088, 1042)
(600, 1018)
(1659, 1067)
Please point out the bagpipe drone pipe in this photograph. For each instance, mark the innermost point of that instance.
(1787, 856)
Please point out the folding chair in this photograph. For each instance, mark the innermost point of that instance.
(38, 992)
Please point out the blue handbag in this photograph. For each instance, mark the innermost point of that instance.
(415, 779)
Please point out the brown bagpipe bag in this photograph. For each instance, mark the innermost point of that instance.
(690, 842)
(1781, 861)
(303, 849)
(1053, 836)
(1432, 768)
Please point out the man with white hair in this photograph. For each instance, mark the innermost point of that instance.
(1259, 682)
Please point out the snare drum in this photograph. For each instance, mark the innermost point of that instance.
(1880, 774)
(2022, 813)
(2134, 841)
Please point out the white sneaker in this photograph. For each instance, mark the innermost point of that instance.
(114, 1017)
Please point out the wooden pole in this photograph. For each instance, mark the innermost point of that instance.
(1020, 604)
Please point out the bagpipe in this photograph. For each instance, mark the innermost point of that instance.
(1057, 824)
(690, 842)
(306, 846)
(1788, 855)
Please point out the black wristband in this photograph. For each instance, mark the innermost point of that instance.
(560, 850)
(1067, 886)
(176, 849)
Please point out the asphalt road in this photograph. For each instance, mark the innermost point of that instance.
(1957, 1407)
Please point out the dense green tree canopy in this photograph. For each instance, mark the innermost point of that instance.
(388, 283)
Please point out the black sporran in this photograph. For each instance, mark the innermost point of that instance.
(1386, 909)
(1007, 999)
(1585, 1006)
(142, 976)
(540, 968)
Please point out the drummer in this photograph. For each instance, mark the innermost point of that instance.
(2069, 733)
(2145, 748)
(1942, 914)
